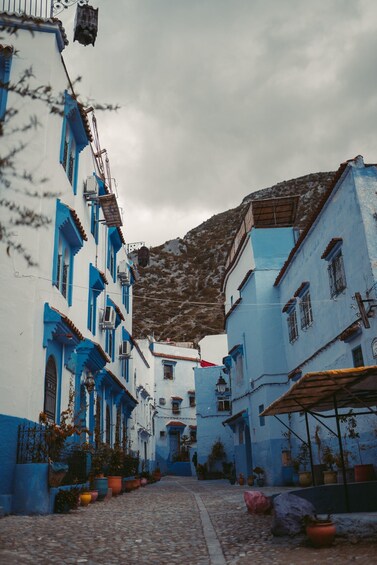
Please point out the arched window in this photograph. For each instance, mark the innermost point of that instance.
(108, 425)
(51, 381)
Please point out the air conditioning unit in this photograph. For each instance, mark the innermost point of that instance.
(91, 188)
(108, 319)
(123, 273)
(125, 349)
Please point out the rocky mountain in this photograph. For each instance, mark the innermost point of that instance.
(178, 295)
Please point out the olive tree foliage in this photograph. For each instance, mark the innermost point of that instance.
(14, 139)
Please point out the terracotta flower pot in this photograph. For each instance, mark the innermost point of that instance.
(321, 533)
(94, 495)
(330, 477)
(364, 473)
(305, 478)
(115, 483)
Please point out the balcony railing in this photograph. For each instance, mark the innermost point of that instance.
(34, 8)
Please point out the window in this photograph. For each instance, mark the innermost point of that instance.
(110, 343)
(306, 311)
(176, 407)
(261, 418)
(114, 243)
(168, 370)
(223, 404)
(126, 297)
(292, 325)
(357, 356)
(192, 401)
(193, 435)
(96, 286)
(162, 433)
(51, 382)
(6, 53)
(94, 220)
(126, 369)
(74, 139)
(337, 276)
(69, 238)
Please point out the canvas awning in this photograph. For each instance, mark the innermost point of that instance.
(315, 392)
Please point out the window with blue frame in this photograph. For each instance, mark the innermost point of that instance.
(95, 210)
(110, 344)
(125, 367)
(96, 286)
(74, 139)
(6, 53)
(110, 339)
(94, 220)
(69, 239)
(113, 245)
(126, 297)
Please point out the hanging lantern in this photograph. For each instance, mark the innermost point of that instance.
(143, 256)
(86, 24)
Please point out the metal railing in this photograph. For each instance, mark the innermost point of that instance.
(34, 8)
(38, 8)
(34, 447)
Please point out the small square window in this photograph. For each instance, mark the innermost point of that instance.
(292, 325)
(357, 356)
(306, 311)
(162, 433)
(168, 371)
(223, 404)
(192, 401)
(337, 277)
(261, 418)
(176, 407)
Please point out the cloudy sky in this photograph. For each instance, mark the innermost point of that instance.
(223, 97)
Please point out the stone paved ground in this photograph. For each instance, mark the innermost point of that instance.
(166, 523)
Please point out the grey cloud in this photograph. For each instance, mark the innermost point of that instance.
(223, 97)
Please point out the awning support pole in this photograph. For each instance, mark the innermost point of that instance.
(345, 485)
(310, 446)
(290, 429)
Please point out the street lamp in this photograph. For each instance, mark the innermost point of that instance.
(221, 385)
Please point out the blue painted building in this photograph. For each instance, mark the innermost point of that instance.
(291, 309)
(67, 317)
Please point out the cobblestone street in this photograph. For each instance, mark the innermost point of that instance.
(176, 521)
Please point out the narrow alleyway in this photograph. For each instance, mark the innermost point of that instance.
(176, 521)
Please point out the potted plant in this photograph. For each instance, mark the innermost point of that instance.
(250, 480)
(259, 471)
(305, 477)
(241, 479)
(116, 465)
(329, 476)
(157, 473)
(66, 500)
(321, 532)
(99, 465)
(344, 465)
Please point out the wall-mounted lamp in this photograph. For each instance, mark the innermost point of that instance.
(221, 385)
(89, 383)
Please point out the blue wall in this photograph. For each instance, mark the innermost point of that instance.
(209, 419)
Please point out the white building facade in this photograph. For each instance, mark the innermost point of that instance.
(68, 284)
